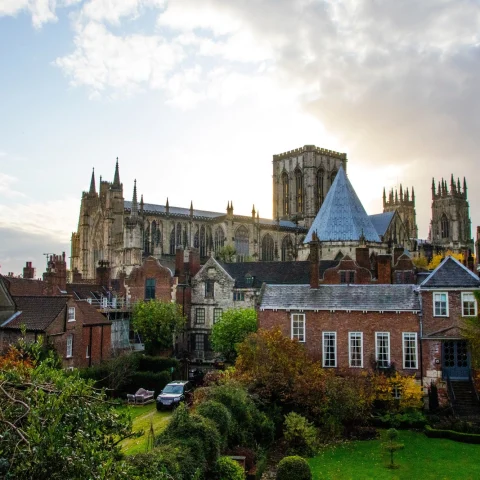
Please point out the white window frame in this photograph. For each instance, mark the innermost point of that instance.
(377, 336)
(434, 302)
(71, 314)
(352, 336)
(296, 317)
(69, 346)
(87, 354)
(405, 336)
(324, 349)
(464, 294)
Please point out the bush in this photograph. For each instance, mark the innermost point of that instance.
(218, 414)
(160, 463)
(456, 436)
(364, 433)
(148, 380)
(409, 419)
(248, 453)
(457, 425)
(228, 469)
(293, 468)
(300, 435)
(149, 363)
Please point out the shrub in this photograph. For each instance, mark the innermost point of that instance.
(149, 363)
(248, 453)
(300, 435)
(160, 463)
(218, 414)
(456, 436)
(364, 433)
(228, 469)
(293, 468)
(148, 380)
(408, 419)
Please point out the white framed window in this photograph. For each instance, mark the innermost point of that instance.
(397, 392)
(298, 326)
(355, 349)
(410, 355)
(329, 349)
(69, 346)
(469, 305)
(71, 314)
(382, 349)
(87, 355)
(440, 304)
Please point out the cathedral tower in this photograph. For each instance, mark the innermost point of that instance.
(404, 204)
(451, 225)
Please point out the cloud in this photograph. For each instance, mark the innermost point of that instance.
(113, 11)
(6, 182)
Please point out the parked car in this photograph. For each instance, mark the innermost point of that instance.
(173, 394)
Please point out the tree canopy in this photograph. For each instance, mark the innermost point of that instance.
(231, 329)
(157, 323)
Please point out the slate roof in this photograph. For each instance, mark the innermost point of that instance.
(342, 216)
(36, 312)
(450, 274)
(91, 316)
(273, 272)
(25, 286)
(381, 222)
(341, 297)
(82, 291)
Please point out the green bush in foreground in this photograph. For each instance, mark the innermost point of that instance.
(218, 414)
(294, 467)
(228, 469)
(300, 434)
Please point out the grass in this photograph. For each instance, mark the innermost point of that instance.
(422, 457)
(142, 418)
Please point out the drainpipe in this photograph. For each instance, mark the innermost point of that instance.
(420, 318)
(90, 348)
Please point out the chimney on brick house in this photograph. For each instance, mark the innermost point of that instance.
(314, 273)
(193, 261)
(28, 271)
(384, 268)
(180, 264)
(362, 257)
(103, 274)
(56, 274)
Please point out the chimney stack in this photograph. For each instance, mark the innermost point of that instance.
(384, 269)
(314, 273)
(28, 271)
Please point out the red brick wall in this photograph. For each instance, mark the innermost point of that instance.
(332, 275)
(344, 322)
(151, 268)
(99, 339)
(447, 327)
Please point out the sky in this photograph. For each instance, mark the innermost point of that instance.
(195, 96)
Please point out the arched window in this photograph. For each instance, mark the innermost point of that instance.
(154, 234)
(320, 190)
(444, 226)
(332, 177)
(146, 240)
(241, 243)
(299, 190)
(219, 240)
(285, 193)
(179, 235)
(287, 248)
(203, 242)
(268, 247)
(172, 241)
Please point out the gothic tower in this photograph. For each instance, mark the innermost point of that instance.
(451, 225)
(301, 180)
(404, 204)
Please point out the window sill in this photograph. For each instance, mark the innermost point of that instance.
(70, 321)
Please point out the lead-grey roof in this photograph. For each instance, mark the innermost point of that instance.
(451, 274)
(342, 216)
(381, 222)
(341, 297)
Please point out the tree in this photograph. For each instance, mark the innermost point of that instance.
(231, 329)
(158, 323)
(471, 332)
(226, 254)
(54, 424)
(420, 262)
(437, 259)
(392, 446)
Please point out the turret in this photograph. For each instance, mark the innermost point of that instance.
(191, 208)
(93, 190)
(134, 211)
(253, 212)
(141, 204)
(167, 207)
(433, 189)
(116, 178)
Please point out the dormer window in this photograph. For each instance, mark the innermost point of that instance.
(71, 314)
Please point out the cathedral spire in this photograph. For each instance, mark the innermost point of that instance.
(433, 188)
(134, 200)
(167, 207)
(141, 204)
(459, 189)
(413, 194)
(452, 184)
(92, 184)
(401, 193)
(384, 197)
(191, 208)
(253, 211)
(116, 177)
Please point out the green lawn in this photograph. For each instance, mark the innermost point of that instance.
(142, 418)
(422, 458)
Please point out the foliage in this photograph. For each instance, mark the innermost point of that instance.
(161, 463)
(407, 419)
(218, 414)
(437, 259)
(191, 427)
(300, 435)
(471, 332)
(392, 445)
(228, 469)
(148, 380)
(457, 425)
(231, 329)
(226, 254)
(249, 454)
(150, 363)
(410, 393)
(54, 424)
(157, 323)
(420, 262)
(293, 467)
(462, 437)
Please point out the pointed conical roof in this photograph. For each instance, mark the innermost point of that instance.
(116, 178)
(93, 191)
(134, 208)
(342, 216)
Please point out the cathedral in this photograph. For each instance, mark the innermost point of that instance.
(125, 232)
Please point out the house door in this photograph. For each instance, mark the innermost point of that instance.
(456, 359)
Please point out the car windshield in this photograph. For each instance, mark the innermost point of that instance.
(173, 389)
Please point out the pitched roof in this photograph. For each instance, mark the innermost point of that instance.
(341, 297)
(273, 272)
(25, 286)
(36, 312)
(450, 274)
(381, 222)
(85, 290)
(342, 216)
(91, 316)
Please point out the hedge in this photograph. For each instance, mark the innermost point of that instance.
(149, 363)
(452, 435)
(147, 380)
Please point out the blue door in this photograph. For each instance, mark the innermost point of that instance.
(456, 359)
